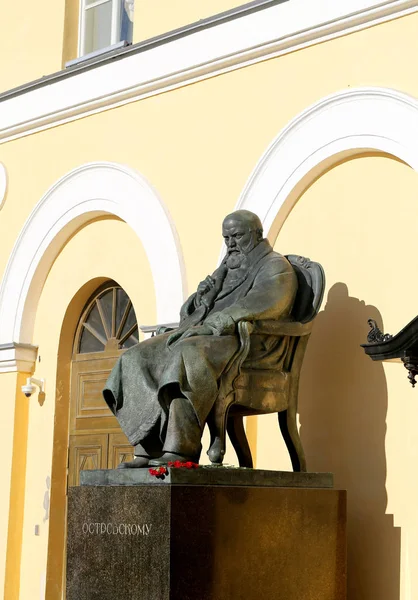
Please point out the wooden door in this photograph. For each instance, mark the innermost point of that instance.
(107, 327)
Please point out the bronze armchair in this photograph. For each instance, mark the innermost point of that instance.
(244, 392)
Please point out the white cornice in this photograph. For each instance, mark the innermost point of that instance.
(230, 44)
(17, 357)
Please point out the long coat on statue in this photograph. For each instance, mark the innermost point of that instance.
(264, 287)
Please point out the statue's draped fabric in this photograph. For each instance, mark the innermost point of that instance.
(264, 287)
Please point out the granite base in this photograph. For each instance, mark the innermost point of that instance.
(205, 542)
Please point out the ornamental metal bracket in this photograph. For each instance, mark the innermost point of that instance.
(375, 336)
(402, 347)
(411, 364)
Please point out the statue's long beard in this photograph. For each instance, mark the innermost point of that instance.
(235, 260)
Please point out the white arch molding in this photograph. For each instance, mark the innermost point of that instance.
(3, 184)
(338, 126)
(88, 192)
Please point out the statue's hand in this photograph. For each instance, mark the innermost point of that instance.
(199, 330)
(162, 329)
(204, 287)
(182, 334)
(175, 336)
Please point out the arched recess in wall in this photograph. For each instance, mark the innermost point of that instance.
(86, 193)
(65, 362)
(344, 124)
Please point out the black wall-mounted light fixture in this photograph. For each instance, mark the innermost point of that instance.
(402, 347)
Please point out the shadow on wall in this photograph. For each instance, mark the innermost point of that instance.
(343, 406)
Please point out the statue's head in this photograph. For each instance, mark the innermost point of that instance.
(242, 231)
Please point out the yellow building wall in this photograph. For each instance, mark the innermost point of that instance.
(197, 146)
(31, 38)
(71, 31)
(154, 18)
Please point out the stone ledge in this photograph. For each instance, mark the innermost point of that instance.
(222, 476)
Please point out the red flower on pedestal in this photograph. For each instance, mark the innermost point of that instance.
(159, 472)
(183, 465)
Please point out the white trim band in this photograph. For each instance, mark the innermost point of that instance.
(231, 44)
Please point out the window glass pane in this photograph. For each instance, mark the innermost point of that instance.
(131, 341)
(106, 302)
(127, 18)
(93, 337)
(130, 321)
(89, 343)
(121, 303)
(97, 27)
(95, 321)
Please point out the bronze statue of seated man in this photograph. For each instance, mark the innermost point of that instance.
(163, 389)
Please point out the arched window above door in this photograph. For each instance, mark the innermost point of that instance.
(108, 322)
(107, 326)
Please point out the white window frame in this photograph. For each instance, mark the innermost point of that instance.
(115, 23)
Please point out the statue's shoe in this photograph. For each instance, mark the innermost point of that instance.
(139, 462)
(170, 457)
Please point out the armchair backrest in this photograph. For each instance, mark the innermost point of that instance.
(311, 280)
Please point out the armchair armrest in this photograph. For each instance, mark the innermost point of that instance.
(157, 329)
(273, 327)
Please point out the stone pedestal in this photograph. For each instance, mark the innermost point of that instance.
(132, 537)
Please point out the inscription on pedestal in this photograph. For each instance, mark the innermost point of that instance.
(118, 544)
(116, 529)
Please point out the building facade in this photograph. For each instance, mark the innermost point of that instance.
(128, 130)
